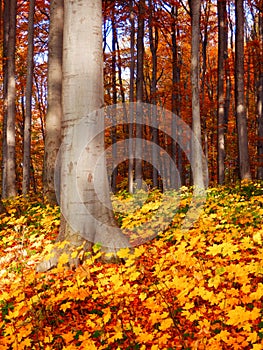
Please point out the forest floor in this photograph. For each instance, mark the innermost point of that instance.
(200, 288)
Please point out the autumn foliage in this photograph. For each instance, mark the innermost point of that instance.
(195, 289)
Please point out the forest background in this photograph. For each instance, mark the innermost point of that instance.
(165, 77)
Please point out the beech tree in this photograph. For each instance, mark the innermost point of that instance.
(139, 94)
(9, 164)
(176, 151)
(196, 155)
(131, 95)
(54, 108)
(28, 114)
(222, 54)
(243, 155)
(6, 21)
(83, 192)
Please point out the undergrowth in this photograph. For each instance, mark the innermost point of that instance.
(199, 288)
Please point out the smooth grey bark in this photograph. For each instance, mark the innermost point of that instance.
(122, 90)
(242, 132)
(10, 164)
(176, 152)
(206, 8)
(86, 213)
(54, 107)
(5, 82)
(196, 142)
(139, 95)
(29, 87)
(114, 101)
(131, 98)
(222, 55)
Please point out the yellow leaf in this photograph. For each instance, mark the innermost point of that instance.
(134, 275)
(107, 315)
(118, 335)
(24, 344)
(214, 250)
(145, 337)
(62, 245)
(35, 299)
(155, 347)
(68, 283)
(142, 296)
(166, 324)
(11, 315)
(139, 251)
(257, 347)
(65, 306)
(223, 335)
(9, 330)
(189, 306)
(116, 280)
(154, 317)
(239, 315)
(68, 337)
(49, 247)
(63, 259)
(48, 339)
(123, 253)
(5, 296)
(252, 337)
(257, 237)
(214, 281)
(74, 254)
(228, 249)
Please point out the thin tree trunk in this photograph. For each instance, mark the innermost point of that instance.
(244, 166)
(206, 10)
(114, 102)
(139, 95)
(6, 23)
(41, 108)
(122, 92)
(131, 99)
(260, 99)
(154, 38)
(196, 155)
(222, 55)
(176, 152)
(54, 108)
(10, 171)
(1, 21)
(29, 86)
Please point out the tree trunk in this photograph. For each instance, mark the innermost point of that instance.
(139, 95)
(206, 8)
(28, 116)
(176, 152)
(10, 171)
(244, 166)
(260, 99)
(196, 154)
(114, 102)
(54, 108)
(222, 54)
(131, 100)
(154, 38)
(87, 217)
(5, 84)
